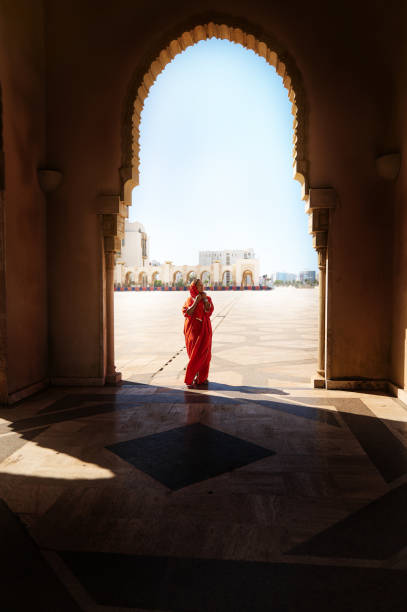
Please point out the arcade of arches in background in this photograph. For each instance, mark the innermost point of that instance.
(180, 281)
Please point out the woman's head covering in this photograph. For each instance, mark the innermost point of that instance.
(193, 288)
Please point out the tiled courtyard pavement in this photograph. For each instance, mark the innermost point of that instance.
(258, 494)
(262, 339)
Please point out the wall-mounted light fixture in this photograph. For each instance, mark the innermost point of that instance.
(388, 166)
(49, 180)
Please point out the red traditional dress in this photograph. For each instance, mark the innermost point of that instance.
(198, 338)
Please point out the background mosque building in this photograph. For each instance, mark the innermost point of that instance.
(221, 268)
(226, 257)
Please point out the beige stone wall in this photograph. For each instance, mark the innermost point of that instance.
(398, 142)
(22, 74)
(350, 123)
(398, 372)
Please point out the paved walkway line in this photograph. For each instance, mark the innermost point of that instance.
(221, 316)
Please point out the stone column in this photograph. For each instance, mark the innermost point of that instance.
(216, 272)
(322, 301)
(112, 377)
(166, 273)
(320, 206)
(113, 213)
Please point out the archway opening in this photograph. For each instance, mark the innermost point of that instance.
(206, 278)
(156, 279)
(129, 279)
(178, 279)
(223, 273)
(226, 279)
(247, 278)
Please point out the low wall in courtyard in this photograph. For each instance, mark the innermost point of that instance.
(237, 288)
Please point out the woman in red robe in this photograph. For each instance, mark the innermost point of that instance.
(198, 334)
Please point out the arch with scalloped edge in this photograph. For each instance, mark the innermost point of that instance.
(259, 42)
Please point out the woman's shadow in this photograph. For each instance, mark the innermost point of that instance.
(214, 386)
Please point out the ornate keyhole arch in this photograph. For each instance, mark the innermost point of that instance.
(250, 38)
(114, 208)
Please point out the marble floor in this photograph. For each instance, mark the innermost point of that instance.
(257, 494)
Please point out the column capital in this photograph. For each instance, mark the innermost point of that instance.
(320, 240)
(112, 244)
(319, 205)
(322, 258)
(318, 220)
(110, 258)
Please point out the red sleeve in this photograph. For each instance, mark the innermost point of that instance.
(210, 311)
(185, 307)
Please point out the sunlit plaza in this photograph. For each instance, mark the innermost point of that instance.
(261, 338)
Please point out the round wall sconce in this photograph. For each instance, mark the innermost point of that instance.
(388, 166)
(49, 180)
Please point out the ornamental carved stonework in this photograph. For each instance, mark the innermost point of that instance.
(319, 207)
(243, 33)
(318, 204)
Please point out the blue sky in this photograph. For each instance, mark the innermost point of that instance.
(216, 161)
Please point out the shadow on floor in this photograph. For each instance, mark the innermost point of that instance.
(175, 583)
(214, 386)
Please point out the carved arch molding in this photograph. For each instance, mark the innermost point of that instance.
(114, 209)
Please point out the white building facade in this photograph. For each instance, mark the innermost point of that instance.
(133, 267)
(226, 257)
(135, 247)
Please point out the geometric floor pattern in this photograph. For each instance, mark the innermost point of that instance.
(257, 493)
(160, 583)
(376, 531)
(182, 456)
(27, 581)
(152, 498)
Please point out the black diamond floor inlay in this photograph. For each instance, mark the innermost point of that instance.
(386, 451)
(185, 455)
(215, 585)
(27, 582)
(377, 531)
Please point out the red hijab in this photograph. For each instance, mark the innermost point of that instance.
(199, 310)
(193, 290)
